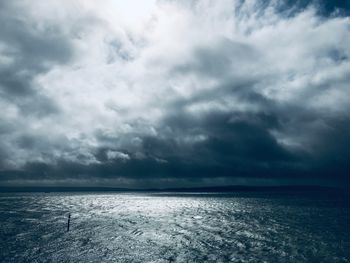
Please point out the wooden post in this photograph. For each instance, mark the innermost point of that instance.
(68, 222)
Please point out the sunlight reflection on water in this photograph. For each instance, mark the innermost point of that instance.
(147, 227)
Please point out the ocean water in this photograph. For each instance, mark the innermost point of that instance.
(151, 227)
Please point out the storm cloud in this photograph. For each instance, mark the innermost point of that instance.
(174, 93)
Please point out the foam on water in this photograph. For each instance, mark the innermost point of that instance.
(142, 227)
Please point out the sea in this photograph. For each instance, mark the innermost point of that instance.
(174, 227)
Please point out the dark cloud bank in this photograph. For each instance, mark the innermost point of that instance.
(248, 127)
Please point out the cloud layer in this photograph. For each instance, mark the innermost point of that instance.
(174, 93)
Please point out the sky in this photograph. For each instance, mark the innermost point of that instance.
(174, 93)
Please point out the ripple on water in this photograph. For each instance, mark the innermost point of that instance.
(172, 228)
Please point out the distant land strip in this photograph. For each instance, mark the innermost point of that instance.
(219, 189)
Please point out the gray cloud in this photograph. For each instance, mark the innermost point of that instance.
(190, 93)
(27, 49)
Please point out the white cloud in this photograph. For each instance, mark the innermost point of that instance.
(135, 62)
(115, 155)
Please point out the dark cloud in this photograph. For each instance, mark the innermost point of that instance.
(232, 146)
(260, 104)
(293, 7)
(29, 49)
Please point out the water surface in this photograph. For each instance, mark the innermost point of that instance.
(151, 227)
